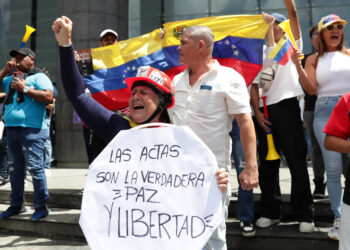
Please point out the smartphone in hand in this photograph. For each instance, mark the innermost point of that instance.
(18, 74)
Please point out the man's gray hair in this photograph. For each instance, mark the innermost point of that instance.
(200, 32)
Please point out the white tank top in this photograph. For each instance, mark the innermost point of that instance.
(333, 74)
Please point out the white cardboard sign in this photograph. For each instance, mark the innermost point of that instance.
(152, 188)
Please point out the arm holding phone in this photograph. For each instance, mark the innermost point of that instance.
(10, 66)
(39, 95)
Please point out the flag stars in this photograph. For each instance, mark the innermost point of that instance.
(233, 46)
(227, 42)
(236, 52)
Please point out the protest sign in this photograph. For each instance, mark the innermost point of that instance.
(152, 188)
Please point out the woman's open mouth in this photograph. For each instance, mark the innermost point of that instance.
(138, 107)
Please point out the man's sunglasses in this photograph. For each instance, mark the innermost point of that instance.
(333, 26)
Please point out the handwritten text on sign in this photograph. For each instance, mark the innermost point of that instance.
(151, 188)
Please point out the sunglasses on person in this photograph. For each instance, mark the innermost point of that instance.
(333, 26)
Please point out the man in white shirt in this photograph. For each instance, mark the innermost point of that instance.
(207, 98)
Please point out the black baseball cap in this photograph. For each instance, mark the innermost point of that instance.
(23, 51)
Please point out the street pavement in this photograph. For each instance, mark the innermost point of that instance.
(68, 179)
(57, 178)
(33, 243)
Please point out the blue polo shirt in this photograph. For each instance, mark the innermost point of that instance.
(30, 113)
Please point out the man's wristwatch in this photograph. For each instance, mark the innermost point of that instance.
(26, 89)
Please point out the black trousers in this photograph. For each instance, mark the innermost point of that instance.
(97, 145)
(87, 140)
(289, 138)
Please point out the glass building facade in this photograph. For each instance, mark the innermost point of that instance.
(145, 16)
(14, 15)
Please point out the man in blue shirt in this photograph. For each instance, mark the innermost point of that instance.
(28, 91)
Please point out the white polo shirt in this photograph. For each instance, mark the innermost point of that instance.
(208, 107)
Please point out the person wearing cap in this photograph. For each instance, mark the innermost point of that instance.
(288, 134)
(93, 143)
(337, 138)
(207, 98)
(152, 93)
(108, 37)
(327, 74)
(26, 129)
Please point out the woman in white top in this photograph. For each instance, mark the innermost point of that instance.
(327, 74)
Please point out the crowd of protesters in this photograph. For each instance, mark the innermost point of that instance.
(321, 77)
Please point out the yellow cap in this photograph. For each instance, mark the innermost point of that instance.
(328, 20)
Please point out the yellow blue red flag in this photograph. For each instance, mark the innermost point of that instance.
(238, 44)
(283, 51)
(285, 46)
(285, 26)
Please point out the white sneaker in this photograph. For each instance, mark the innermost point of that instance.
(306, 227)
(247, 228)
(266, 222)
(334, 232)
(3, 180)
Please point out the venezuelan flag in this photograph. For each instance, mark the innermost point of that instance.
(112, 64)
(238, 44)
(283, 51)
(285, 46)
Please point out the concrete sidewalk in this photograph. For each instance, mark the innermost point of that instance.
(58, 179)
(74, 179)
(64, 180)
(285, 180)
(34, 243)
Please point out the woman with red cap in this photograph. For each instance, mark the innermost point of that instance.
(327, 74)
(152, 92)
